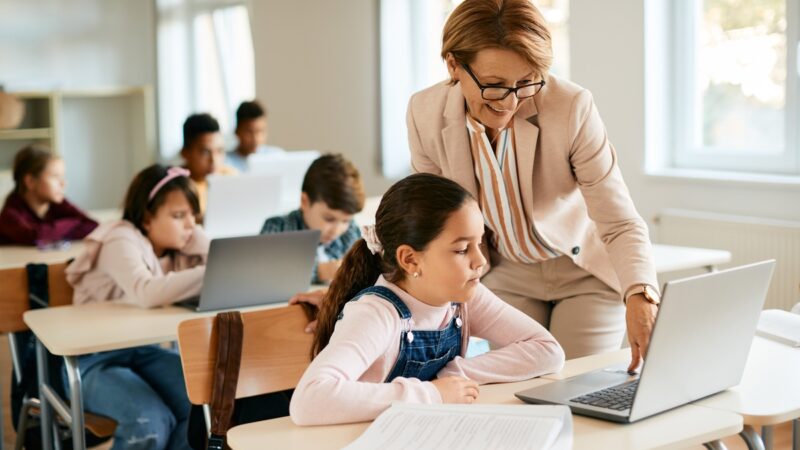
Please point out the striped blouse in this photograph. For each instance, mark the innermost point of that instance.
(515, 237)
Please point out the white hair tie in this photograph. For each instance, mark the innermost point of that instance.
(371, 238)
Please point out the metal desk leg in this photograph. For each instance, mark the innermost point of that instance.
(796, 434)
(751, 438)
(767, 436)
(76, 402)
(715, 445)
(46, 411)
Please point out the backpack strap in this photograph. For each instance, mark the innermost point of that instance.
(226, 376)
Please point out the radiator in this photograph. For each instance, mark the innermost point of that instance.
(749, 239)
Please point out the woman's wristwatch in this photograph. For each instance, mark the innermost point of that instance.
(649, 293)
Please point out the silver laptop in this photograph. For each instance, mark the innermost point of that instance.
(699, 347)
(256, 270)
(238, 205)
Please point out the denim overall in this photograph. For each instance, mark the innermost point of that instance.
(423, 353)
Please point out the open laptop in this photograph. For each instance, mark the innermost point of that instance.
(291, 166)
(699, 347)
(256, 270)
(239, 205)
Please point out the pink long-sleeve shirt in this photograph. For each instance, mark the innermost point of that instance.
(345, 382)
(119, 264)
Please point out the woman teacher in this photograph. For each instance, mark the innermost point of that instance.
(565, 242)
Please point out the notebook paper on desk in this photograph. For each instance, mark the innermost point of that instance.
(781, 326)
(468, 427)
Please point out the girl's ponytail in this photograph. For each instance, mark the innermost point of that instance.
(359, 270)
(412, 212)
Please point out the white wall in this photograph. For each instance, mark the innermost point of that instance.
(317, 72)
(607, 57)
(50, 44)
(82, 44)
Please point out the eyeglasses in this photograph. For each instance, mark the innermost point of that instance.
(501, 92)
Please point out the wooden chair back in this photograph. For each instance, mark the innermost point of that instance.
(14, 294)
(275, 352)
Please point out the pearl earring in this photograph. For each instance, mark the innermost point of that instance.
(415, 275)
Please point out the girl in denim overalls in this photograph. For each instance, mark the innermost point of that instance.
(394, 324)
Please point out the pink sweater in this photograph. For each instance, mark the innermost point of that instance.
(119, 264)
(344, 383)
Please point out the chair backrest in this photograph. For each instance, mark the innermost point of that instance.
(275, 352)
(14, 294)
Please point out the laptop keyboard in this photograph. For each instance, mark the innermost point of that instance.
(619, 397)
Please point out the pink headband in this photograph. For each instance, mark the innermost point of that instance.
(172, 173)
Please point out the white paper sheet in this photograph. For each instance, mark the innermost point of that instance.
(468, 427)
(781, 326)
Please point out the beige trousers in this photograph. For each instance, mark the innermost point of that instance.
(584, 314)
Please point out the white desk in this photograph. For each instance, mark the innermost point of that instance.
(71, 331)
(670, 258)
(679, 428)
(15, 256)
(769, 393)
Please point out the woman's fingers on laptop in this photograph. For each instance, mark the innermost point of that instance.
(635, 358)
(639, 317)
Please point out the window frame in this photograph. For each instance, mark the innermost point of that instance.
(686, 109)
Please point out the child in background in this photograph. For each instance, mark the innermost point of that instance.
(332, 194)
(36, 212)
(154, 256)
(203, 152)
(251, 132)
(413, 277)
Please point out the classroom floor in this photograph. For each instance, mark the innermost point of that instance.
(783, 433)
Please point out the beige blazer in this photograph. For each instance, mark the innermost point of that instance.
(571, 185)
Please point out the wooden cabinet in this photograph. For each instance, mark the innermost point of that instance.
(104, 135)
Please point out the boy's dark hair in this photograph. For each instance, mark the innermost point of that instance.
(412, 212)
(30, 160)
(137, 204)
(249, 111)
(198, 124)
(336, 181)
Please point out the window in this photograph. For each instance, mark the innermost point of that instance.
(205, 64)
(735, 101)
(411, 40)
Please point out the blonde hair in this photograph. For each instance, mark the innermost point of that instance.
(514, 25)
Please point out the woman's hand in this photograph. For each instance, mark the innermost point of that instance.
(456, 389)
(313, 298)
(640, 318)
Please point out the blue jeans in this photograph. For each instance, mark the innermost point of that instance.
(142, 389)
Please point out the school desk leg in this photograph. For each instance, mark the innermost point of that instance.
(75, 402)
(46, 417)
(715, 445)
(767, 436)
(796, 434)
(751, 438)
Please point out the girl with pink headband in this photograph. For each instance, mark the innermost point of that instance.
(154, 256)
